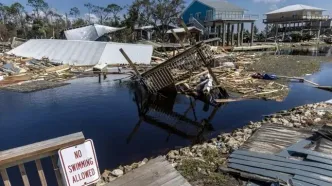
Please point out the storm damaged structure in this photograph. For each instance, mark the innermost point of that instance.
(164, 77)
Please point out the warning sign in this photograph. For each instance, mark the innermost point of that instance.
(79, 164)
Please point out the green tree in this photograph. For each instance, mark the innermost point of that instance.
(89, 6)
(165, 12)
(78, 22)
(38, 6)
(74, 12)
(255, 30)
(115, 10)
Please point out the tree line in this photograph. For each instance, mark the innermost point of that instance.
(45, 22)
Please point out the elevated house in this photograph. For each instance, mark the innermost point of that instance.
(298, 18)
(218, 18)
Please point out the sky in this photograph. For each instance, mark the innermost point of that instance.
(258, 7)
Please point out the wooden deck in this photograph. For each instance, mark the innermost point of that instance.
(157, 172)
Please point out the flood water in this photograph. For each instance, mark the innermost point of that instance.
(308, 51)
(108, 114)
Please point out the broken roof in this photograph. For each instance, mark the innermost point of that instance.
(152, 26)
(297, 7)
(90, 32)
(180, 30)
(83, 53)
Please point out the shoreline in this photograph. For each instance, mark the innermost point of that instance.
(199, 163)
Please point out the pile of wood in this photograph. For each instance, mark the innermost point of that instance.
(15, 69)
(240, 83)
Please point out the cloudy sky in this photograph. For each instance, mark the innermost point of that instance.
(253, 6)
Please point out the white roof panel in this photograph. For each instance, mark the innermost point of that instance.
(89, 33)
(180, 30)
(138, 53)
(296, 7)
(82, 53)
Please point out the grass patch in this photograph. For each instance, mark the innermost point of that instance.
(203, 171)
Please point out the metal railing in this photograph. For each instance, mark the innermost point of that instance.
(35, 152)
(228, 16)
(297, 18)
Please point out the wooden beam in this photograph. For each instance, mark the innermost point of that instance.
(130, 62)
(19, 155)
(24, 175)
(41, 173)
(5, 177)
(56, 170)
(178, 39)
(192, 77)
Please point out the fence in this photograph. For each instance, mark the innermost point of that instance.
(35, 152)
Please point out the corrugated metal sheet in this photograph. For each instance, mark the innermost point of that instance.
(89, 33)
(181, 30)
(83, 53)
(137, 53)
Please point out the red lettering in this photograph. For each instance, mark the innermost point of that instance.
(74, 179)
(78, 154)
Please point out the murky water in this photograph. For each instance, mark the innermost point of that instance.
(308, 51)
(108, 114)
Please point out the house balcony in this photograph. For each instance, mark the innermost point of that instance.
(297, 18)
(232, 17)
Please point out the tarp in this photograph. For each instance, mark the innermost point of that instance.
(83, 53)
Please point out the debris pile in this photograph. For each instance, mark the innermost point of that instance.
(202, 160)
(15, 70)
(239, 81)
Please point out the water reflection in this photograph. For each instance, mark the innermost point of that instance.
(158, 111)
(311, 51)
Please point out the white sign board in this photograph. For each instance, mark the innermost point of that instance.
(79, 164)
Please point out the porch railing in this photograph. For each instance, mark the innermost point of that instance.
(228, 16)
(297, 18)
(35, 152)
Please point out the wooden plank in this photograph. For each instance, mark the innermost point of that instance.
(319, 159)
(5, 177)
(130, 62)
(262, 172)
(283, 164)
(282, 169)
(41, 173)
(302, 183)
(312, 181)
(156, 172)
(136, 173)
(276, 158)
(165, 178)
(56, 170)
(24, 175)
(313, 153)
(153, 174)
(34, 151)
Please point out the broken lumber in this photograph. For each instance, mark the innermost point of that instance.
(192, 77)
